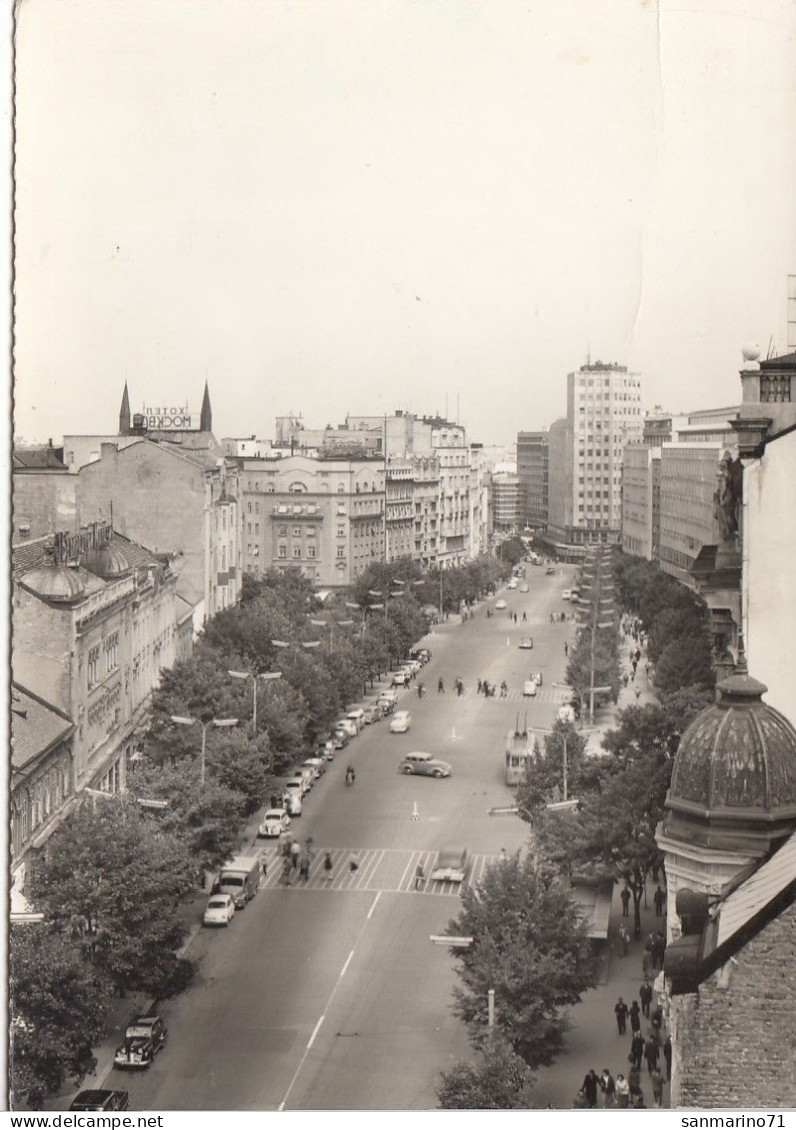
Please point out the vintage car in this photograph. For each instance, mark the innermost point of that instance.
(100, 1100)
(424, 765)
(143, 1039)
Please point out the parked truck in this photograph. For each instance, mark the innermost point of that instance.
(239, 878)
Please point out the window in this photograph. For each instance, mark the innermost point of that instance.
(341, 531)
(256, 527)
(249, 526)
(297, 531)
(250, 507)
(297, 551)
(93, 666)
(112, 652)
(341, 551)
(281, 531)
(282, 551)
(310, 551)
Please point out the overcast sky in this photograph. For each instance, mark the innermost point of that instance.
(329, 207)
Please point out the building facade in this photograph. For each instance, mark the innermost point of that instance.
(585, 480)
(179, 499)
(506, 502)
(639, 483)
(42, 779)
(323, 516)
(533, 457)
(94, 620)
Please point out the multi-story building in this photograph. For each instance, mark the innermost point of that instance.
(480, 502)
(322, 515)
(42, 779)
(585, 491)
(533, 457)
(506, 501)
(639, 500)
(94, 620)
(412, 498)
(179, 499)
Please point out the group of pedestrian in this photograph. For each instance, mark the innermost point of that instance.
(654, 950)
(561, 617)
(656, 1051)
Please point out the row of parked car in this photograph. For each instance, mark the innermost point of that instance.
(278, 817)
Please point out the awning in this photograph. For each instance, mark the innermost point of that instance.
(594, 903)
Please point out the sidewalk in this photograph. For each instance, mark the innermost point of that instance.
(593, 1040)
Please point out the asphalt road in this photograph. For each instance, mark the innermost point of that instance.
(329, 995)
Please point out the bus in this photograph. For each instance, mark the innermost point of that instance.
(519, 752)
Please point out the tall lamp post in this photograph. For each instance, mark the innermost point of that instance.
(219, 722)
(566, 716)
(266, 676)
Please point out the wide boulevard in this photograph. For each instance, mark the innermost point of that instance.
(329, 995)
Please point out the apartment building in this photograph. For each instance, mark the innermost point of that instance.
(322, 515)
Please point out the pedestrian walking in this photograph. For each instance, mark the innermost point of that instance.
(646, 966)
(420, 877)
(657, 1087)
(656, 1018)
(304, 868)
(635, 1017)
(637, 1049)
(591, 1085)
(625, 897)
(608, 1088)
(525, 617)
(634, 1081)
(624, 940)
(638, 693)
(658, 899)
(328, 864)
(622, 1091)
(651, 1054)
(440, 687)
(353, 864)
(658, 949)
(645, 996)
(295, 852)
(480, 686)
(667, 1055)
(620, 1011)
(287, 870)
(263, 864)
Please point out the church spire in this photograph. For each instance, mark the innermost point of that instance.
(206, 419)
(124, 413)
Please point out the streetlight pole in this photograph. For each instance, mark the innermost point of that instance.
(265, 675)
(219, 722)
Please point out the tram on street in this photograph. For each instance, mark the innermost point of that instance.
(519, 754)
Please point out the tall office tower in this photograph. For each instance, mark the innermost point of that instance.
(532, 468)
(603, 416)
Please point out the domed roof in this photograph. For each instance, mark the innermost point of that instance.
(55, 582)
(735, 770)
(107, 562)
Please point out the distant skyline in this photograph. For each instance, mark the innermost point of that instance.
(333, 207)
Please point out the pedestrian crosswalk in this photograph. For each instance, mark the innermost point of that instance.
(553, 695)
(378, 869)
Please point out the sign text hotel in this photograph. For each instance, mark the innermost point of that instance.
(164, 418)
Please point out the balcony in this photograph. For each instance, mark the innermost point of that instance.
(98, 601)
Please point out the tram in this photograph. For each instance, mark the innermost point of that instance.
(519, 753)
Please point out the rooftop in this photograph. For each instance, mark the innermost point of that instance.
(36, 726)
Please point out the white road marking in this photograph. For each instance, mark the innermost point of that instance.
(315, 1030)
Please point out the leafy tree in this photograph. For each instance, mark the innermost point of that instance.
(242, 764)
(612, 835)
(545, 774)
(498, 1080)
(57, 1004)
(655, 727)
(686, 661)
(530, 946)
(203, 818)
(512, 550)
(112, 879)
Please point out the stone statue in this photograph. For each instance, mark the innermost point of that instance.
(728, 496)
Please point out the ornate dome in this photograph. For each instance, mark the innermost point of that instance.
(734, 776)
(107, 562)
(55, 582)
